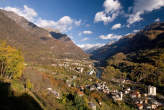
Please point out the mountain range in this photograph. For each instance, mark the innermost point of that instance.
(38, 44)
(151, 37)
(138, 57)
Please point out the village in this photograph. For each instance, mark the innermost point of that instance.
(138, 99)
(141, 100)
(131, 95)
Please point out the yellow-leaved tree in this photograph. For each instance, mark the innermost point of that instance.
(11, 62)
(29, 85)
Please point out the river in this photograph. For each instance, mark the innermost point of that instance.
(98, 73)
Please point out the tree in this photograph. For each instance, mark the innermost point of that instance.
(29, 85)
(110, 72)
(142, 71)
(11, 62)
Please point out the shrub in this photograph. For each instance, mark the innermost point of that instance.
(11, 62)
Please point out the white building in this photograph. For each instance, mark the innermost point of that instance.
(81, 70)
(91, 72)
(152, 90)
(118, 97)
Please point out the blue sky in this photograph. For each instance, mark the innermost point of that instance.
(89, 23)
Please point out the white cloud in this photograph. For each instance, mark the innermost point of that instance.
(112, 10)
(65, 20)
(27, 12)
(78, 23)
(135, 31)
(157, 20)
(90, 46)
(64, 24)
(127, 34)
(116, 26)
(111, 5)
(147, 5)
(84, 39)
(45, 23)
(87, 32)
(134, 18)
(102, 16)
(142, 6)
(110, 37)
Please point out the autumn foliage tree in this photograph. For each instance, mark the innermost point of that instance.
(29, 85)
(11, 62)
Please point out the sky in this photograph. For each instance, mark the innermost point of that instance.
(89, 23)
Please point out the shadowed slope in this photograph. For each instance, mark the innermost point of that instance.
(10, 102)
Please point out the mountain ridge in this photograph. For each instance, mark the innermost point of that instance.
(37, 44)
(147, 38)
(138, 57)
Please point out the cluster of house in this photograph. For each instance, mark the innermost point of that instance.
(141, 101)
(79, 69)
(99, 86)
(68, 62)
(134, 97)
(117, 96)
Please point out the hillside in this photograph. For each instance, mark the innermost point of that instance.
(37, 44)
(138, 57)
(15, 97)
(148, 38)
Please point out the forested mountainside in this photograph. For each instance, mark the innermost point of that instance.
(139, 57)
(150, 37)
